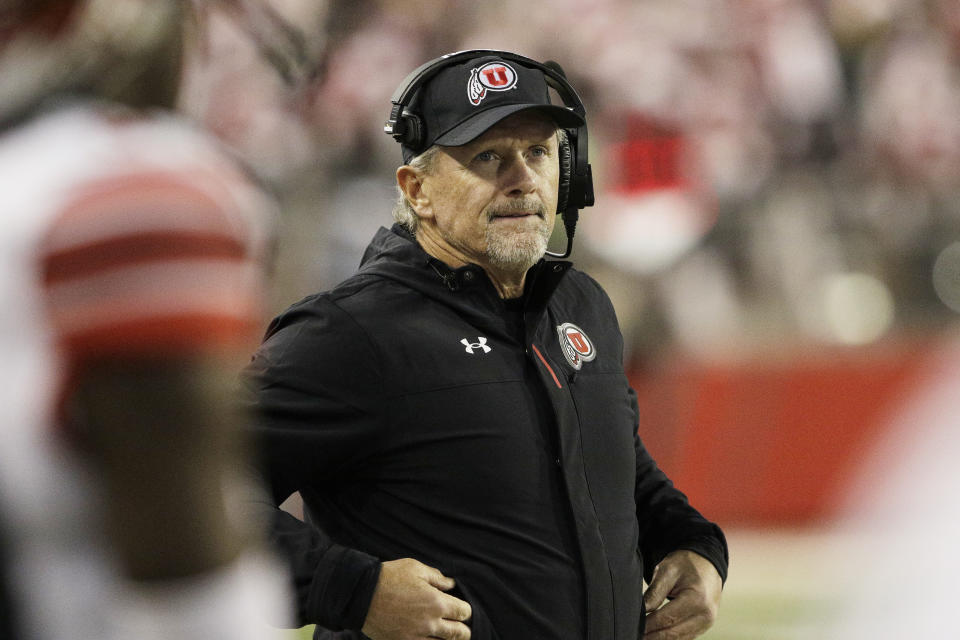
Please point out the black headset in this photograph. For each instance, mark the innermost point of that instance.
(576, 177)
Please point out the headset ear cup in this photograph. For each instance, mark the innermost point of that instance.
(413, 131)
(566, 171)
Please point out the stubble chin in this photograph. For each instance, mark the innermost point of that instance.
(516, 249)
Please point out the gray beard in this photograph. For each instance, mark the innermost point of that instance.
(516, 250)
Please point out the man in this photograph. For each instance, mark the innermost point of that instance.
(456, 415)
(131, 253)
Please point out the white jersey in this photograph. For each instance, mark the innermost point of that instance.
(118, 234)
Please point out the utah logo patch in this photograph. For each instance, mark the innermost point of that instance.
(576, 346)
(493, 76)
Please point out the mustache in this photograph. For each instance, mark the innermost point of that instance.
(512, 207)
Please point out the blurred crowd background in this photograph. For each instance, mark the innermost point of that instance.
(777, 221)
(766, 170)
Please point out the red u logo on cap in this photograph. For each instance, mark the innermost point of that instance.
(495, 76)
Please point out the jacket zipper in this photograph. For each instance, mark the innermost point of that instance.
(547, 365)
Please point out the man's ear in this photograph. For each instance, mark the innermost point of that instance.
(411, 184)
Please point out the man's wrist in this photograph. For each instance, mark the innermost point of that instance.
(711, 550)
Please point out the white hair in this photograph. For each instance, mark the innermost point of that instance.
(403, 212)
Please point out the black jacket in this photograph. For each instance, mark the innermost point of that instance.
(403, 406)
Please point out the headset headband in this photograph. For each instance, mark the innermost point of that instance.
(419, 76)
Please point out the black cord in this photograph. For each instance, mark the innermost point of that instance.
(570, 218)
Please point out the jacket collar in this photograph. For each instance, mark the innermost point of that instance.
(395, 254)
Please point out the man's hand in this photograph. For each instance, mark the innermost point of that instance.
(693, 586)
(409, 603)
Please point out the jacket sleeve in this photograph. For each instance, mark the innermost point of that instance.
(667, 521)
(314, 386)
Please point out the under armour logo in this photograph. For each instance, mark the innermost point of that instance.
(481, 343)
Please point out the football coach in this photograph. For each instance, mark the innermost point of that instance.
(456, 416)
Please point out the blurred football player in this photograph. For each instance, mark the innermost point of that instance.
(131, 253)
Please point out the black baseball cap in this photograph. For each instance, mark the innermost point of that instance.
(463, 101)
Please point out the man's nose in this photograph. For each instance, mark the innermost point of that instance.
(517, 177)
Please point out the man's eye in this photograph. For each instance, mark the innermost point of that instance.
(486, 156)
(538, 152)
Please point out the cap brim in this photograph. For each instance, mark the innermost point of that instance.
(469, 129)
